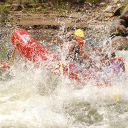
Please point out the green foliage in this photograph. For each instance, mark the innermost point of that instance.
(8, 1)
(46, 7)
(93, 1)
(2, 7)
(4, 11)
(123, 6)
(62, 6)
(25, 1)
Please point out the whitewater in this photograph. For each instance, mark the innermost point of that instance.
(35, 98)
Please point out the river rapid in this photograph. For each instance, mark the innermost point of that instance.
(35, 98)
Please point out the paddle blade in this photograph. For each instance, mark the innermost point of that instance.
(61, 68)
(116, 93)
(116, 97)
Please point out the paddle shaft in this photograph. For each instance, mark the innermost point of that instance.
(91, 42)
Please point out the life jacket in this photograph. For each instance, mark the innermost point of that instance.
(77, 49)
(81, 44)
(118, 64)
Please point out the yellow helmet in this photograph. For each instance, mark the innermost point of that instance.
(79, 33)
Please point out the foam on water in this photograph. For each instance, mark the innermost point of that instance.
(35, 98)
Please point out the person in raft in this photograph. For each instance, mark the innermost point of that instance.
(112, 66)
(117, 64)
(76, 52)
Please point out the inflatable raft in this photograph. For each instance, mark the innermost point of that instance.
(40, 56)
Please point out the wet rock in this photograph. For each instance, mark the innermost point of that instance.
(108, 9)
(120, 43)
(117, 29)
(98, 26)
(124, 14)
(113, 10)
(120, 21)
(16, 7)
(108, 14)
(115, 1)
(103, 3)
(117, 11)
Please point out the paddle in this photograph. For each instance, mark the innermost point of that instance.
(116, 93)
(91, 42)
(80, 33)
(59, 55)
(11, 60)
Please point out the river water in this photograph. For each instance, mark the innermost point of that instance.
(35, 98)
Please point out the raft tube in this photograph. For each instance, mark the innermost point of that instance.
(40, 56)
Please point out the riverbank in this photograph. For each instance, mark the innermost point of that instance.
(46, 24)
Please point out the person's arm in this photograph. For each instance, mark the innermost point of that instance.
(71, 46)
(70, 49)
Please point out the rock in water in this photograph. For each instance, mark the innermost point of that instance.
(119, 21)
(124, 14)
(120, 43)
(117, 29)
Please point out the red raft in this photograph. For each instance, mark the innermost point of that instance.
(39, 55)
